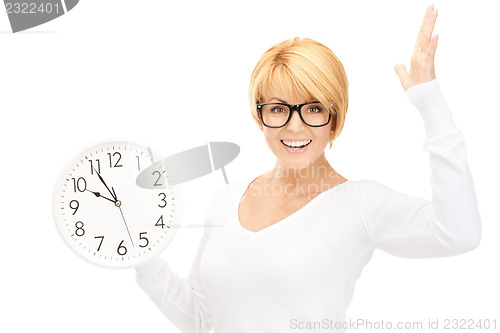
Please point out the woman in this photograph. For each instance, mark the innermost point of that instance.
(296, 238)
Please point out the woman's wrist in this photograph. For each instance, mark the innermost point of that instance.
(428, 98)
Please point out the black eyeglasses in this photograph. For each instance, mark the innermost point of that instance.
(276, 115)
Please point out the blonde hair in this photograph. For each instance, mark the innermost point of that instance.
(307, 68)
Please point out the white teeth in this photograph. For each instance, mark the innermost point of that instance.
(296, 143)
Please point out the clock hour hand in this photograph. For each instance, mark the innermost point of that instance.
(102, 180)
(97, 194)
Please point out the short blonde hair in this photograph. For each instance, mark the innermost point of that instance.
(307, 68)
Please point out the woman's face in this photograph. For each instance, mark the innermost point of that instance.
(293, 133)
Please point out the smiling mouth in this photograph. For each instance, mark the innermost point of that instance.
(296, 144)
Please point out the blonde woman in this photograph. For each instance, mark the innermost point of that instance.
(296, 239)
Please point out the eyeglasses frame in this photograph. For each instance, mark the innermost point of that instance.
(292, 107)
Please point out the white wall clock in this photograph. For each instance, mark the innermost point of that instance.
(101, 213)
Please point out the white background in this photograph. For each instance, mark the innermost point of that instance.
(174, 75)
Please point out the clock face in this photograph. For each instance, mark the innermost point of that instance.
(104, 217)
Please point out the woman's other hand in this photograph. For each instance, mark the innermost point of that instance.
(422, 60)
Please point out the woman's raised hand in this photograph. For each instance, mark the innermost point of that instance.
(422, 59)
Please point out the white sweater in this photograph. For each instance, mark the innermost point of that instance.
(303, 269)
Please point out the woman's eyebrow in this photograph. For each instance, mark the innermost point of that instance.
(283, 101)
(279, 99)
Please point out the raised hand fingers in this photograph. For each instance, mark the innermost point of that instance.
(422, 60)
(433, 45)
(425, 33)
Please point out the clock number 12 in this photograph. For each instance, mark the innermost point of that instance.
(116, 165)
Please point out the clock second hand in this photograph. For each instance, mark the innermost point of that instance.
(118, 204)
(123, 217)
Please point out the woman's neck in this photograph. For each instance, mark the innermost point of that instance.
(313, 178)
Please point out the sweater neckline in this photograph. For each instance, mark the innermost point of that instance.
(244, 188)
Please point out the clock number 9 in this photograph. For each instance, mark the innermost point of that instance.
(75, 208)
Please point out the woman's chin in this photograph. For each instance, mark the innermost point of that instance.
(295, 163)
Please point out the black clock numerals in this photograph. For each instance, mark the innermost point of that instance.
(73, 204)
(160, 223)
(117, 156)
(79, 184)
(100, 243)
(79, 229)
(163, 203)
(92, 166)
(121, 250)
(141, 237)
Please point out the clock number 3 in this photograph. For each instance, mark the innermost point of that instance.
(163, 201)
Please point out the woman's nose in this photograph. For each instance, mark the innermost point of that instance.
(295, 123)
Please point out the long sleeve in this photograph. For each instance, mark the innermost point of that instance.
(183, 301)
(450, 223)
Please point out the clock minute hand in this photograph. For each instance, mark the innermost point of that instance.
(102, 180)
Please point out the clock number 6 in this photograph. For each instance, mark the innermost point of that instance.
(121, 248)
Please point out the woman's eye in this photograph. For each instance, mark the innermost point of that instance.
(314, 109)
(277, 109)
